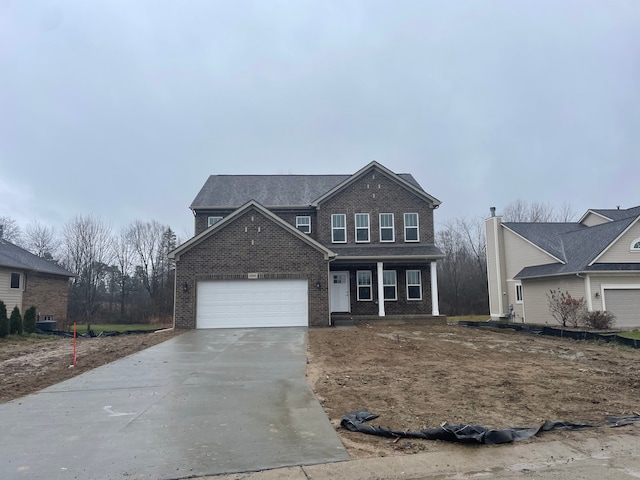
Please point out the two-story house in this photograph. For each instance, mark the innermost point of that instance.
(295, 250)
(596, 258)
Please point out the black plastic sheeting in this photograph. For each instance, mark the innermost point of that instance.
(556, 332)
(463, 433)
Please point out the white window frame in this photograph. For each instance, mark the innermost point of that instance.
(362, 229)
(635, 245)
(342, 228)
(519, 295)
(387, 227)
(364, 285)
(413, 284)
(299, 223)
(411, 227)
(386, 284)
(213, 219)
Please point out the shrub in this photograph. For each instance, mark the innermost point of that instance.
(29, 320)
(15, 322)
(4, 321)
(566, 309)
(599, 320)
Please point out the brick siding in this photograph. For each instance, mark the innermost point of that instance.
(49, 294)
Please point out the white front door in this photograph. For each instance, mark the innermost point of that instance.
(340, 301)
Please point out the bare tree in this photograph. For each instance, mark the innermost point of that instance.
(11, 230)
(565, 308)
(462, 274)
(41, 240)
(123, 255)
(87, 252)
(522, 211)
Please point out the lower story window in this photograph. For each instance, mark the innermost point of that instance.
(518, 293)
(364, 285)
(15, 280)
(389, 284)
(414, 285)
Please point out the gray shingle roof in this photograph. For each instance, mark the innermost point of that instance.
(269, 190)
(12, 256)
(579, 246)
(616, 213)
(547, 236)
(380, 250)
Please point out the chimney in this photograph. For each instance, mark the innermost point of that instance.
(493, 211)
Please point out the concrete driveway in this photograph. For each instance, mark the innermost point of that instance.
(203, 403)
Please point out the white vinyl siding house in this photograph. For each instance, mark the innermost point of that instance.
(12, 297)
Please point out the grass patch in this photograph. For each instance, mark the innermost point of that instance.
(468, 318)
(117, 327)
(633, 334)
(27, 338)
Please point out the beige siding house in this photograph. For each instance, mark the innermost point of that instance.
(596, 258)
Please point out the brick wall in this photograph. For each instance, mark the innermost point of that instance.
(251, 243)
(49, 294)
(374, 193)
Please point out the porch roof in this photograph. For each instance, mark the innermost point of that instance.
(389, 253)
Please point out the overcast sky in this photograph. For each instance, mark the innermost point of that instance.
(122, 108)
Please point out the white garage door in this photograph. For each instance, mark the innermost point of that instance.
(252, 303)
(625, 305)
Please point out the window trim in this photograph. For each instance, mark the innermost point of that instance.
(298, 224)
(367, 228)
(334, 228)
(635, 245)
(419, 285)
(519, 295)
(394, 285)
(392, 227)
(211, 221)
(11, 282)
(416, 226)
(369, 286)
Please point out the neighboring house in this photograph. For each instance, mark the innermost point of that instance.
(596, 258)
(278, 250)
(27, 280)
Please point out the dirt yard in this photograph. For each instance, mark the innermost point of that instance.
(27, 366)
(413, 376)
(417, 377)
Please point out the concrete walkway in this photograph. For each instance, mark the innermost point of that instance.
(205, 402)
(615, 457)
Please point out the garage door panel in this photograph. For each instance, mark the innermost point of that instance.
(252, 303)
(624, 303)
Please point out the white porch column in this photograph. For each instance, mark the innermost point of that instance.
(380, 290)
(434, 290)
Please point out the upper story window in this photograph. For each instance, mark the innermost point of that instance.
(411, 227)
(339, 228)
(15, 280)
(635, 245)
(390, 285)
(414, 285)
(213, 220)
(364, 285)
(387, 231)
(303, 223)
(362, 227)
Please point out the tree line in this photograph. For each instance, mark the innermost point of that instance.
(122, 276)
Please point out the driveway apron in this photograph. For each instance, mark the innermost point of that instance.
(203, 403)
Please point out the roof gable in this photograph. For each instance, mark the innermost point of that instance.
(252, 204)
(405, 180)
(12, 256)
(611, 214)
